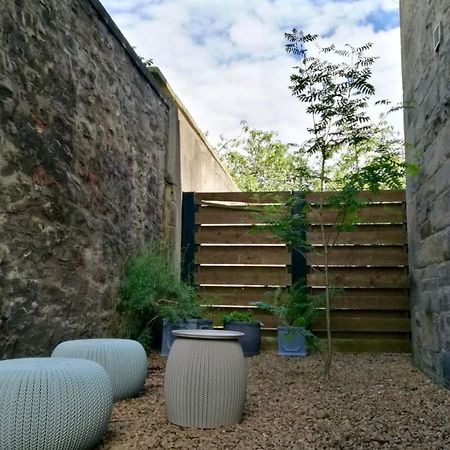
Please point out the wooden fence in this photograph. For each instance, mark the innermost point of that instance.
(232, 264)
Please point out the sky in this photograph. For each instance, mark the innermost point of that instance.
(226, 60)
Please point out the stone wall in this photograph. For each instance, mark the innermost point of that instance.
(83, 141)
(426, 85)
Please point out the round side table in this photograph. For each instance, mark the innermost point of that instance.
(205, 379)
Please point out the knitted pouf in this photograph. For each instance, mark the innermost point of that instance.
(205, 379)
(124, 360)
(53, 404)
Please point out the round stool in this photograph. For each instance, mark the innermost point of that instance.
(124, 360)
(53, 404)
(205, 379)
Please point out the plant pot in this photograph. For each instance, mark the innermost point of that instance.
(251, 340)
(291, 341)
(189, 324)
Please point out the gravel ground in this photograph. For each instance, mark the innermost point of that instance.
(371, 402)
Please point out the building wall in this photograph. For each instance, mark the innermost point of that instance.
(84, 135)
(426, 86)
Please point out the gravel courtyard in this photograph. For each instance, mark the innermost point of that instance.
(372, 402)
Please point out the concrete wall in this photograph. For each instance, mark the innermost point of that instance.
(200, 168)
(426, 85)
(201, 171)
(84, 136)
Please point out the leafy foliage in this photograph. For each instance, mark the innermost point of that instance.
(239, 316)
(293, 306)
(258, 161)
(350, 152)
(150, 290)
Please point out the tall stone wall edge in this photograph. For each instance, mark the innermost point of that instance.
(108, 21)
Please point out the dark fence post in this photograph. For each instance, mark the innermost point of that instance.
(298, 256)
(188, 237)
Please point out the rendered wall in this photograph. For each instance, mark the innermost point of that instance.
(199, 166)
(426, 85)
(83, 140)
(201, 171)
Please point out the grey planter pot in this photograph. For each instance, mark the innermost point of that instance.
(190, 324)
(251, 341)
(291, 341)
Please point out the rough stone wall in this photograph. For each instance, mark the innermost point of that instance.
(83, 140)
(426, 85)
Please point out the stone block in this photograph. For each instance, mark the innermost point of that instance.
(440, 217)
(444, 299)
(445, 361)
(444, 274)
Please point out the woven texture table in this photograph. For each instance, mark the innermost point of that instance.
(53, 404)
(124, 360)
(205, 379)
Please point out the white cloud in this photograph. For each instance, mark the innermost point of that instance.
(226, 59)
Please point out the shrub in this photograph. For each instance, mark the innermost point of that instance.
(151, 290)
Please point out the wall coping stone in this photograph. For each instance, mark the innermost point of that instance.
(108, 21)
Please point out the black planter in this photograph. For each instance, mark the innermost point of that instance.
(251, 340)
(168, 327)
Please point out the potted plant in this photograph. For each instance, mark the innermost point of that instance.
(295, 311)
(244, 322)
(151, 293)
(184, 313)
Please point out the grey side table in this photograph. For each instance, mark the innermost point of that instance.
(205, 379)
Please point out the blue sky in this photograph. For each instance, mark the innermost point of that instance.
(225, 59)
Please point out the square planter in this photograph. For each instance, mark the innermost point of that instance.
(291, 341)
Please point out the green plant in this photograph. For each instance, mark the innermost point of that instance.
(293, 307)
(337, 94)
(239, 316)
(259, 161)
(150, 290)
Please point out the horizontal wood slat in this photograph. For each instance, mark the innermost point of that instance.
(362, 235)
(381, 197)
(359, 277)
(242, 197)
(368, 299)
(218, 215)
(372, 345)
(234, 235)
(266, 276)
(369, 214)
(360, 256)
(366, 324)
(234, 296)
(243, 255)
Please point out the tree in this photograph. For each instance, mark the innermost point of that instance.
(259, 161)
(350, 151)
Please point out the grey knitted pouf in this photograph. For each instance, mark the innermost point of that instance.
(53, 404)
(124, 360)
(205, 379)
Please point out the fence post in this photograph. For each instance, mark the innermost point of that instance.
(299, 257)
(188, 237)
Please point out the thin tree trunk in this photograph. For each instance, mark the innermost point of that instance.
(329, 356)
